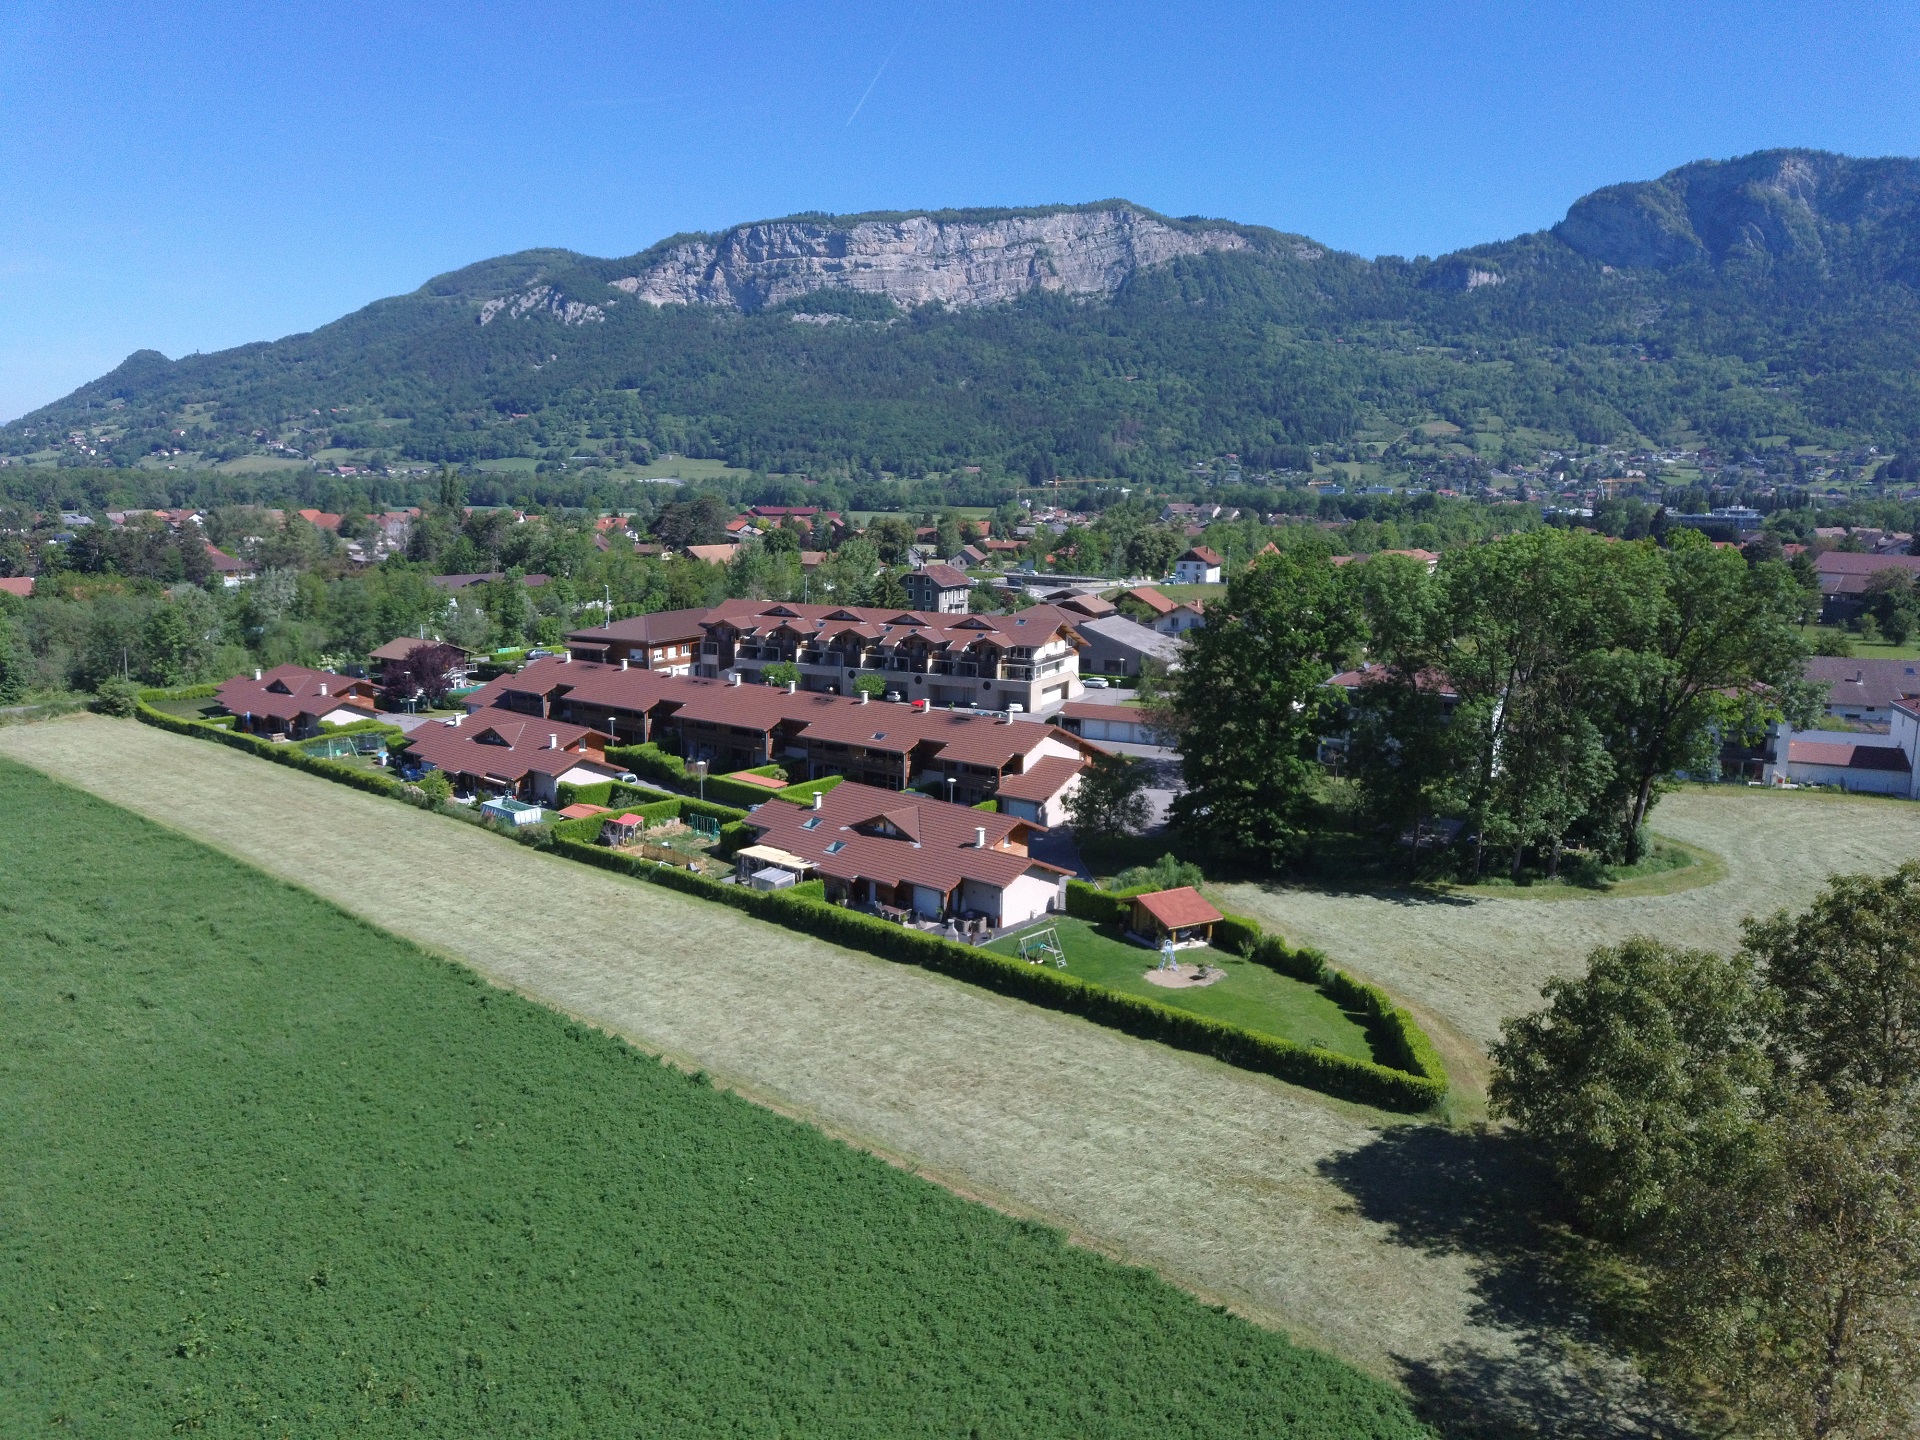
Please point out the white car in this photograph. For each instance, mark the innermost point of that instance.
(1094, 682)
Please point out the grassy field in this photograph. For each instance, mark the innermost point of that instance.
(1823, 638)
(1250, 995)
(1400, 1246)
(272, 1170)
(1474, 958)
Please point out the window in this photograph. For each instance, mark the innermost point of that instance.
(810, 823)
(836, 847)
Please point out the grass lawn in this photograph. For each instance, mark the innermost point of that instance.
(205, 709)
(1476, 957)
(1251, 995)
(1825, 638)
(267, 1169)
(1668, 868)
(1192, 592)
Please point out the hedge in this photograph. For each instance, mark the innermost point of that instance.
(801, 792)
(1324, 1070)
(649, 762)
(1418, 1083)
(282, 754)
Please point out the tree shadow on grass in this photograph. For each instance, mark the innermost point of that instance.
(1478, 1194)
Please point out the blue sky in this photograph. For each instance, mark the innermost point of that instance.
(196, 175)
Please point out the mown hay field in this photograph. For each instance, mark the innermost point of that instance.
(270, 1170)
(1357, 1232)
(1476, 960)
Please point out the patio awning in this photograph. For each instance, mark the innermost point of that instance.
(774, 855)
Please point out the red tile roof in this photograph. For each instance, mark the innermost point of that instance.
(506, 746)
(1042, 780)
(1178, 909)
(932, 844)
(287, 692)
(1152, 599)
(1204, 555)
(21, 586)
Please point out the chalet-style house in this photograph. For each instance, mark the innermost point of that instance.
(501, 753)
(293, 701)
(391, 655)
(667, 640)
(910, 856)
(1199, 566)
(736, 726)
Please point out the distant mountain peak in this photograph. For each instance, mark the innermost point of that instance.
(957, 258)
(1782, 204)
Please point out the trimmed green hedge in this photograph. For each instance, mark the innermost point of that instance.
(649, 762)
(1418, 1083)
(281, 754)
(1324, 1070)
(801, 792)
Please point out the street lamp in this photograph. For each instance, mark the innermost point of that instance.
(700, 774)
(950, 780)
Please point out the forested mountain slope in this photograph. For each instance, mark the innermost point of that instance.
(1726, 301)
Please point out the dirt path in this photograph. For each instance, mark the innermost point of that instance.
(1365, 1237)
(1475, 961)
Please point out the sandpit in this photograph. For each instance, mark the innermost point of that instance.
(1185, 977)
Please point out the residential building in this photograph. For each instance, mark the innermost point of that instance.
(1115, 645)
(1844, 577)
(1199, 566)
(483, 577)
(1864, 691)
(21, 586)
(232, 570)
(1027, 659)
(911, 856)
(967, 756)
(500, 753)
(1862, 764)
(665, 640)
(294, 701)
(938, 589)
(390, 655)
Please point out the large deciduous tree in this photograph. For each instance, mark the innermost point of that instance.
(1253, 701)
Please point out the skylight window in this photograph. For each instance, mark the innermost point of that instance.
(836, 847)
(812, 822)
(879, 734)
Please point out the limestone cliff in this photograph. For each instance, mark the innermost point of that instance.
(917, 259)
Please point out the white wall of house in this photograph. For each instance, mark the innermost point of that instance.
(929, 901)
(1029, 897)
(1858, 782)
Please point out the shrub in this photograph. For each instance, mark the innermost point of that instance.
(1166, 873)
(435, 788)
(120, 698)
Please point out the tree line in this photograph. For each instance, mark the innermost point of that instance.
(1543, 689)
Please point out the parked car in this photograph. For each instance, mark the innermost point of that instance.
(1094, 682)
(538, 654)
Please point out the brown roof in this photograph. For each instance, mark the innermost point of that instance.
(1847, 757)
(224, 563)
(932, 844)
(21, 586)
(481, 577)
(1042, 780)
(1203, 554)
(1869, 683)
(1844, 573)
(287, 692)
(403, 647)
(660, 628)
(713, 554)
(582, 812)
(506, 746)
(1178, 909)
(1152, 599)
(945, 576)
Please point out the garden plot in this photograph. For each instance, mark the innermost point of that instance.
(1475, 960)
(1335, 1222)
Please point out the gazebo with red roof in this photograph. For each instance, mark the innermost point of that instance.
(1180, 915)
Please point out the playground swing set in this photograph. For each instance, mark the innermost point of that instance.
(1040, 946)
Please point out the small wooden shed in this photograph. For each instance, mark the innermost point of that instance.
(1181, 915)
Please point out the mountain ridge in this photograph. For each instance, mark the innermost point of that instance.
(1770, 294)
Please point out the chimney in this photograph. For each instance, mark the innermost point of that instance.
(733, 677)
(323, 687)
(792, 685)
(819, 797)
(553, 742)
(865, 697)
(979, 837)
(623, 662)
(256, 672)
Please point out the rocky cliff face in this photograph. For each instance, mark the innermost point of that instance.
(919, 259)
(1795, 204)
